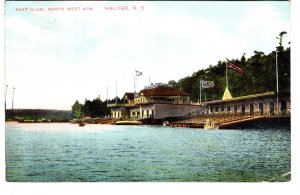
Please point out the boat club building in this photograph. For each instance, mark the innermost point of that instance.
(157, 101)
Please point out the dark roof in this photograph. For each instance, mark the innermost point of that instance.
(163, 91)
(129, 95)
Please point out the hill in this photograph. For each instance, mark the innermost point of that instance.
(259, 76)
(39, 114)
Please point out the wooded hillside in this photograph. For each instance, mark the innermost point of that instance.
(259, 76)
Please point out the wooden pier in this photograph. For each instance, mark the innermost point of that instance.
(231, 121)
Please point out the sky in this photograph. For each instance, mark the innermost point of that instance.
(53, 58)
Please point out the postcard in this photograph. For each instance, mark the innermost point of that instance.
(140, 91)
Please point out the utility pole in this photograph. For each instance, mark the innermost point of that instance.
(12, 104)
(5, 95)
(116, 92)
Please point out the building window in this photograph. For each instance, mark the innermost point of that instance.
(217, 109)
(261, 108)
(243, 109)
(222, 108)
(251, 109)
(211, 109)
(228, 108)
(235, 108)
(272, 108)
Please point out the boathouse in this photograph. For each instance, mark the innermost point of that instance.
(257, 104)
(258, 110)
(157, 101)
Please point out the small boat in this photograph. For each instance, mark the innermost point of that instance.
(209, 125)
(129, 123)
(81, 123)
(166, 123)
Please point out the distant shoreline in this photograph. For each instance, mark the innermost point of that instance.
(38, 115)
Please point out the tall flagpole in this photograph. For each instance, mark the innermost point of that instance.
(226, 75)
(106, 95)
(277, 88)
(12, 104)
(5, 95)
(106, 113)
(200, 92)
(134, 79)
(116, 92)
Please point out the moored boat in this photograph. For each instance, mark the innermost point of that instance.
(166, 123)
(81, 124)
(129, 123)
(209, 125)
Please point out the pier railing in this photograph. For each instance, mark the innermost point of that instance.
(229, 117)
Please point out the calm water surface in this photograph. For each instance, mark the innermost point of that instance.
(67, 152)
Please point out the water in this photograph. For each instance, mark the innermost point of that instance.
(67, 152)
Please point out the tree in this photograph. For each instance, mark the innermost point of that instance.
(77, 110)
(280, 48)
(173, 83)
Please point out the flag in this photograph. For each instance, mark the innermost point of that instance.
(207, 84)
(138, 73)
(234, 67)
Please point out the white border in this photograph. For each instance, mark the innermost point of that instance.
(168, 188)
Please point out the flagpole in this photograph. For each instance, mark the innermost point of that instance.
(200, 92)
(106, 113)
(106, 96)
(12, 104)
(134, 79)
(5, 95)
(226, 75)
(116, 92)
(277, 88)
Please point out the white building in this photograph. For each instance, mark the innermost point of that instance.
(158, 101)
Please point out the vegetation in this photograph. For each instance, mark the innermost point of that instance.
(259, 75)
(95, 108)
(77, 110)
(38, 115)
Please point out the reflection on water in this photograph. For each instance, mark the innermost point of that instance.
(66, 152)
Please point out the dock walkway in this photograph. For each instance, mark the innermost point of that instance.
(224, 121)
